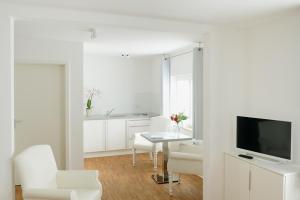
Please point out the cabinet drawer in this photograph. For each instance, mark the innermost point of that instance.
(140, 122)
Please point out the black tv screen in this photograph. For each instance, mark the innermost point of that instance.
(270, 137)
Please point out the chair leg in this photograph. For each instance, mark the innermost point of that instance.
(170, 183)
(179, 178)
(133, 156)
(155, 161)
(151, 155)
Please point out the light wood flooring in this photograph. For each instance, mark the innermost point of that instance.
(121, 181)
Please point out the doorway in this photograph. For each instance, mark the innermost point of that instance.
(40, 107)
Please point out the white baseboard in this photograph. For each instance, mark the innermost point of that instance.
(109, 153)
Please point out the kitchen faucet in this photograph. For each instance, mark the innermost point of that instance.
(108, 113)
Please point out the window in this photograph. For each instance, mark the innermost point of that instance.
(182, 96)
(181, 86)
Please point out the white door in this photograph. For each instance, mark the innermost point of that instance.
(40, 108)
(116, 134)
(94, 135)
(266, 185)
(236, 179)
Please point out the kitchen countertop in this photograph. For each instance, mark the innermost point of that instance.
(122, 116)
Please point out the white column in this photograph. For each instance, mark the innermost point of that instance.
(6, 107)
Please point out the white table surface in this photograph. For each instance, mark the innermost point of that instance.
(156, 137)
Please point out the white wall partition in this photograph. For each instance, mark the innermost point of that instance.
(6, 106)
(225, 61)
(252, 72)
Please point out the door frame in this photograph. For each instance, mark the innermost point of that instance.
(66, 66)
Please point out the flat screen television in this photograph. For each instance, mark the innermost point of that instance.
(264, 136)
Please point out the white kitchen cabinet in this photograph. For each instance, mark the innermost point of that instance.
(266, 184)
(136, 126)
(94, 135)
(236, 179)
(260, 180)
(116, 134)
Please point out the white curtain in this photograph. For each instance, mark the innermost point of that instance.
(166, 87)
(198, 93)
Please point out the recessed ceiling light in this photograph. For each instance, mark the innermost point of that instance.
(125, 55)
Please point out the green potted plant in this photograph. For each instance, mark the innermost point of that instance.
(89, 103)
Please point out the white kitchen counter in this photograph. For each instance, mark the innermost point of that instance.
(122, 116)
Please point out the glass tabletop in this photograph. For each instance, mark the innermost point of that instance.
(156, 137)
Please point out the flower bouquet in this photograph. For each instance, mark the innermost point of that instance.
(178, 119)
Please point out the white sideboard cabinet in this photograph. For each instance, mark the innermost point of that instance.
(260, 180)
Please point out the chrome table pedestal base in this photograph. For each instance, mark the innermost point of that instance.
(162, 180)
(164, 177)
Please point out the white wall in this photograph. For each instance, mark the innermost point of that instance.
(6, 107)
(57, 52)
(273, 78)
(251, 72)
(128, 85)
(224, 96)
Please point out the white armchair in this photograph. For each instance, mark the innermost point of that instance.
(41, 180)
(159, 123)
(185, 157)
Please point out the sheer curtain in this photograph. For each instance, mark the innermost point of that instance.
(166, 87)
(198, 93)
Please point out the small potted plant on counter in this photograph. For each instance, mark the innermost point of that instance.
(178, 119)
(89, 103)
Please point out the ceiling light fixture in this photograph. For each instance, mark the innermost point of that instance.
(93, 33)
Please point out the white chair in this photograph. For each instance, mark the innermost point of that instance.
(41, 180)
(185, 157)
(159, 123)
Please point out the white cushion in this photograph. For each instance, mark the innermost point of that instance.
(142, 144)
(40, 178)
(159, 123)
(185, 156)
(88, 194)
(36, 167)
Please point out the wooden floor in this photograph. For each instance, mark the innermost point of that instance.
(121, 181)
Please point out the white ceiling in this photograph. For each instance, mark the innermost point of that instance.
(110, 40)
(203, 11)
(117, 40)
